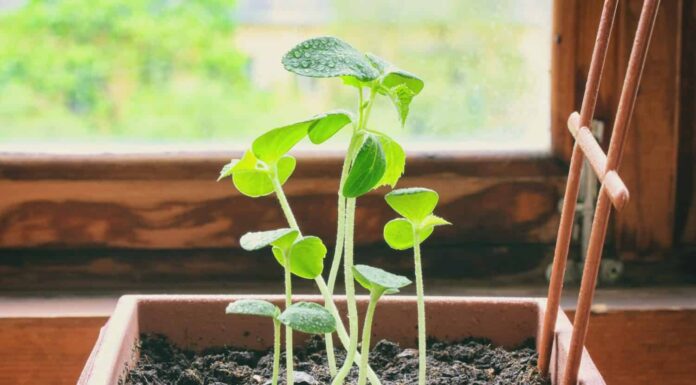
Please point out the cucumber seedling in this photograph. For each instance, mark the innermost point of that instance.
(260, 308)
(373, 159)
(416, 206)
(378, 282)
(302, 256)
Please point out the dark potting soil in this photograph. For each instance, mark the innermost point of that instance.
(471, 362)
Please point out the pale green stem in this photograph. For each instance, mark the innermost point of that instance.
(350, 295)
(276, 351)
(285, 205)
(421, 308)
(323, 289)
(288, 331)
(367, 332)
(368, 109)
(342, 333)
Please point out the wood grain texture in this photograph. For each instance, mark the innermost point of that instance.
(46, 351)
(685, 227)
(647, 347)
(645, 229)
(644, 347)
(563, 74)
(148, 203)
(219, 270)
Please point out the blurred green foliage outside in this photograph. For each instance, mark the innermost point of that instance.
(164, 70)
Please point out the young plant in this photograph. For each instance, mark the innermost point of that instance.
(416, 206)
(378, 282)
(302, 256)
(373, 159)
(256, 307)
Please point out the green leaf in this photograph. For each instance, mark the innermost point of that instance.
(306, 257)
(375, 279)
(325, 57)
(433, 220)
(413, 204)
(368, 168)
(401, 86)
(227, 169)
(395, 158)
(401, 97)
(260, 239)
(398, 233)
(328, 124)
(275, 143)
(308, 317)
(255, 307)
(256, 181)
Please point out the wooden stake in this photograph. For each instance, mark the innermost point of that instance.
(571, 192)
(601, 219)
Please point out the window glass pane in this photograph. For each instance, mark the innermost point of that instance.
(208, 71)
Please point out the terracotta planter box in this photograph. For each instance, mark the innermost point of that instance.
(198, 322)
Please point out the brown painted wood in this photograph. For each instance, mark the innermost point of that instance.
(46, 351)
(644, 347)
(685, 227)
(220, 270)
(648, 347)
(645, 229)
(150, 203)
(563, 74)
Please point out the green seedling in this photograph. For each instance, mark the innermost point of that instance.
(302, 256)
(416, 206)
(378, 282)
(259, 308)
(373, 159)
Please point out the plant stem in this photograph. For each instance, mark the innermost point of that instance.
(276, 351)
(342, 333)
(324, 290)
(368, 109)
(421, 308)
(284, 204)
(288, 331)
(367, 332)
(350, 294)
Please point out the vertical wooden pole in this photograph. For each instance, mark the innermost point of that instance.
(571, 192)
(601, 219)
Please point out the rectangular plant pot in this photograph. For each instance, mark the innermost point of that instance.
(199, 321)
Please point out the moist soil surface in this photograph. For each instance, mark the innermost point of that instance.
(471, 362)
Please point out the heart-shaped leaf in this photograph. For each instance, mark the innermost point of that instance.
(398, 233)
(308, 317)
(377, 280)
(254, 307)
(256, 182)
(368, 168)
(275, 143)
(395, 158)
(257, 240)
(327, 125)
(414, 203)
(306, 257)
(325, 57)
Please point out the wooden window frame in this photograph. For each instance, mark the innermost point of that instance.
(110, 216)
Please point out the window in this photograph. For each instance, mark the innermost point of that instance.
(158, 72)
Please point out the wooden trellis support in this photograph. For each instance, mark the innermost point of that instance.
(613, 190)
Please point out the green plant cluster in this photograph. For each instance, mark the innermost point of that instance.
(373, 159)
(117, 63)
